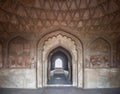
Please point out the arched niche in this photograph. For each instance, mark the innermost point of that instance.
(99, 54)
(59, 39)
(60, 59)
(19, 53)
(118, 54)
(1, 55)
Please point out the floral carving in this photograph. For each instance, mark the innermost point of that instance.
(99, 61)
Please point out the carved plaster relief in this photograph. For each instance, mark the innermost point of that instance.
(99, 54)
(60, 40)
(19, 53)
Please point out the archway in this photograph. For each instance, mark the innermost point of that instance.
(59, 67)
(59, 39)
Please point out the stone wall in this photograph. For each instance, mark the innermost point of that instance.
(17, 78)
(95, 59)
(1, 59)
(102, 78)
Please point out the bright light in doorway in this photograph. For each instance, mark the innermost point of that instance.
(58, 63)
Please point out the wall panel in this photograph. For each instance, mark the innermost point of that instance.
(19, 53)
(1, 56)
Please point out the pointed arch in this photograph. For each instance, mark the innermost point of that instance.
(58, 63)
(65, 62)
(66, 40)
(1, 55)
(99, 54)
(118, 53)
(18, 53)
(61, 50)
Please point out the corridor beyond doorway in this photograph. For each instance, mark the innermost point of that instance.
(59, 67)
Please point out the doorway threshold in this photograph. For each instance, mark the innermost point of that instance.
(59, 85)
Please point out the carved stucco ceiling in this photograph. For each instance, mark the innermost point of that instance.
(84, 15)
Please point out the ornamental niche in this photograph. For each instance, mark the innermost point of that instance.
(118, 54)
(99, 54)
(19, 53)
(1, 62)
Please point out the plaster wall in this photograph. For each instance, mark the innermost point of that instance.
(102, 78)
(95, 60)
(17, 78)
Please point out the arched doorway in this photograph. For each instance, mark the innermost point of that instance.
(52, 41)
(59, 70)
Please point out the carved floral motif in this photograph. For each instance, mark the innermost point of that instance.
(99, 61)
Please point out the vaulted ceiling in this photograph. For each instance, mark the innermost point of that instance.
(83, 15)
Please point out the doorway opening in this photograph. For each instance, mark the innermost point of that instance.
(59, 69)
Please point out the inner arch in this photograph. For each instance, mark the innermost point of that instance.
(59, 66)
(58, 63)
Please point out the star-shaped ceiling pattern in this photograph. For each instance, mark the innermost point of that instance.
(83, 15)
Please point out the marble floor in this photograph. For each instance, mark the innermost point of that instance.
(59, 79)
